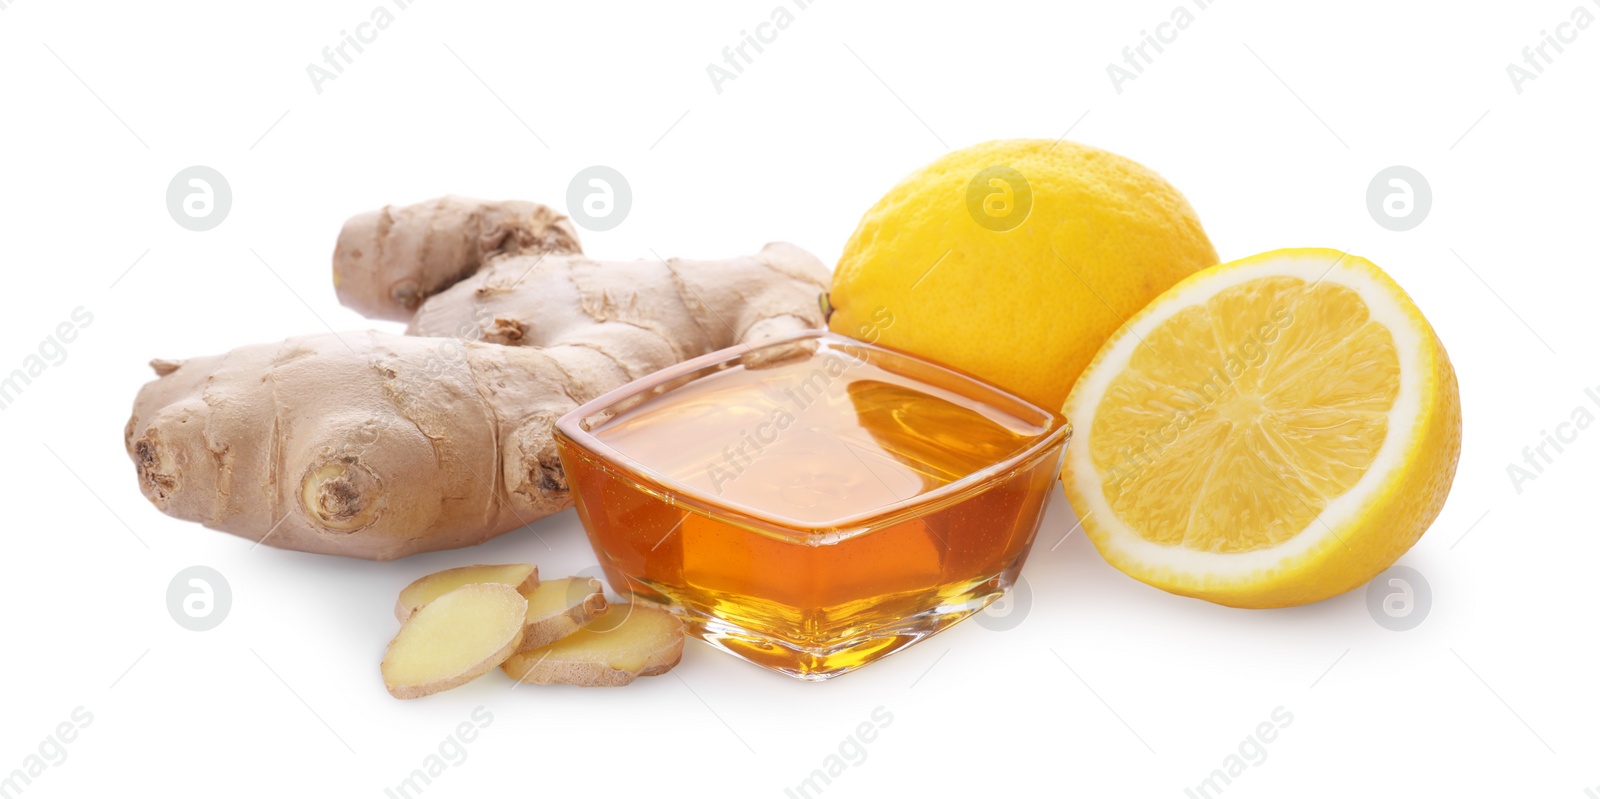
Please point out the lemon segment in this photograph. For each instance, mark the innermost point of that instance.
(1268, 432)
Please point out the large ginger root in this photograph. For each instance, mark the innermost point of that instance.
(454, 640)
(388, 261)
(380, 446)
(369, 444)
(523, 283)
(639, 313)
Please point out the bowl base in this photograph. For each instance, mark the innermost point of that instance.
(817, 662)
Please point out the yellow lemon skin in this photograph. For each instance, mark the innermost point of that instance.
(1354, 546)
(1018, 282)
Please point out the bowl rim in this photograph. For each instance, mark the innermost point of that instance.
(570, 427)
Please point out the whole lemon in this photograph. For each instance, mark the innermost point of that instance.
(1015, 260)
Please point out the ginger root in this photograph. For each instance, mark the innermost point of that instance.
(513, 273)
(454, 639)
(379, 446)
(640, 314)
(625, 642)
(388, 261)
(521, 576)
(370, 444)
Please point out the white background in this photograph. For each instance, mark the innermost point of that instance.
(1271, 117)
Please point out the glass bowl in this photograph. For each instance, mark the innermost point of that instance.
(813, 503)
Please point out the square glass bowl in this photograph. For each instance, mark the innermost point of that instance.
(814, 503)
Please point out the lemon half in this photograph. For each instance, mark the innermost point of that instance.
(1268, 432)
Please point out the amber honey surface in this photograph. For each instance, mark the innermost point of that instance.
(794, 513)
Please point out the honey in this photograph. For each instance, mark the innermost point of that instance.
(814, 514)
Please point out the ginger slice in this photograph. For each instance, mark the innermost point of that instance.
(559, 608)
(625, 642)
(454, 639)
(521, 576)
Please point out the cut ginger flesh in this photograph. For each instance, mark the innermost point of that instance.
(624, 642)
(557, 608)
(521, 576)
(454, 639)
(563, 596)
(1237, 420)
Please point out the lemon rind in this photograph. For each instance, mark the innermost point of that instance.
(1177, 567)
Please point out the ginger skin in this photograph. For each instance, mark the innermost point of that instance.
(378, 446)
(387, 262)
(641, 315)
(368, 444)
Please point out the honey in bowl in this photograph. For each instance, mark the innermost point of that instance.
(814, 512)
